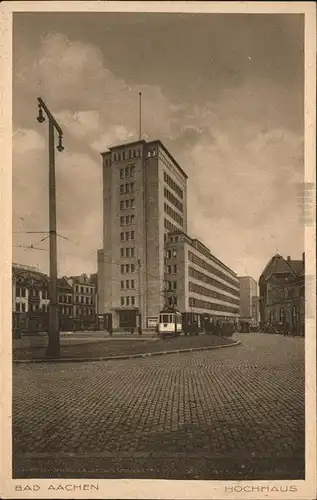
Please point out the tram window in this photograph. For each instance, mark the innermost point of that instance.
(164, 318)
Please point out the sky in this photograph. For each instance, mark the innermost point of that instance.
(223, 92)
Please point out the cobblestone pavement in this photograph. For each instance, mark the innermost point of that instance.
(235, 413)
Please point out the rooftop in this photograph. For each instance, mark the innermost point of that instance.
(157, 142)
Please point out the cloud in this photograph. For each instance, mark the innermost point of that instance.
(242, 164)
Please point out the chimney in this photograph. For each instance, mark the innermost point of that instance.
(288, 258)
(303, 256)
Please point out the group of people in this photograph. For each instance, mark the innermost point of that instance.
(285, 328)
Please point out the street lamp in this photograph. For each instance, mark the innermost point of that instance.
(53, 349)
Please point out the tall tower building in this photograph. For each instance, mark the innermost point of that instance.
(144, 198)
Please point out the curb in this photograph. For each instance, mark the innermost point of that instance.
(125, 356)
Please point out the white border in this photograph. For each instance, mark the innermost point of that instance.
(147, 488)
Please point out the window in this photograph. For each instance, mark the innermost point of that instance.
(132, 283)
(18, 292)
(127, 301)
(121, 173)
(127, 172)
(121, 221)
(174, 269)
(127, 252)
(122, 269)
(23, 306)
(132, 301)
(174, 285)
(122, 301)
(127, 188)
(122, 252)
(132, 252)
(132, 187)
(131, 219)
(132, 268)
(132, 235)
(126, 203)
(169, 254)
(127, 236)
(169, 269)
(121, 188)
(127, 220)
(132, 171)
(121, 205)
(127, 268)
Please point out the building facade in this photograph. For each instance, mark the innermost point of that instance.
(83, 301)
(197, 282)
(282, 293)
(144, 199)
(30, 301)
(249, 300)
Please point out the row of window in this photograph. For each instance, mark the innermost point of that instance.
(84, 311)
(127, 188)
(171, 269)
(172, 301)
(127, 285)
(66, 311)
(172, 184)
(171, 285)
(20, 307)
(171, 198)
(168, 210)
(193, 287)
(66, 299)
(127, 220)
(211, 281)
(84, 300)
(35, 292)
(211, 269)
(127, 235)
(84, 289)
(171, 253)
(128, 171)
(211, 306)
(127, 268)
(127, 204)
(295, 315)
(128, 252)
(128, 301)
(127, 155)
(169, 226)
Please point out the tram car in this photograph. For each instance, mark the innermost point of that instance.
(170, 323)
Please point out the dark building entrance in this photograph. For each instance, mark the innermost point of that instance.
(127, 319)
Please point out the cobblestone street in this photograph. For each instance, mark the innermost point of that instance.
(234, 413)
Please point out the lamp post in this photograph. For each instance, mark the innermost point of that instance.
(53, 349)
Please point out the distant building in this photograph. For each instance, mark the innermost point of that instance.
(144, 199)
(30, 301)
(196, 281)
(83, 301)
(282, 292)
(248, 300)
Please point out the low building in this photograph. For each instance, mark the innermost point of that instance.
(198, 282)
(84, 301)
(65, 304)
(30, 300)
(282, 293)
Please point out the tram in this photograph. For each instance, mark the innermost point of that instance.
(170, 323)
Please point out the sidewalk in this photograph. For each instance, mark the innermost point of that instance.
(116, 348)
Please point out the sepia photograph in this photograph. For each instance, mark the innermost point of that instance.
(162, 273)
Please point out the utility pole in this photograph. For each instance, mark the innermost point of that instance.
(53, 349)
(140, 314)
(140, 115)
